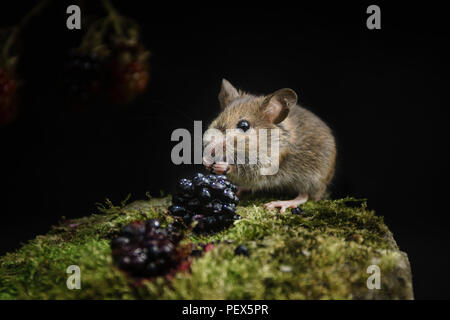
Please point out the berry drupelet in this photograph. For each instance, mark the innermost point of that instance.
(209, 201)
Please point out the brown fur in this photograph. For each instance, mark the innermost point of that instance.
(307, 146)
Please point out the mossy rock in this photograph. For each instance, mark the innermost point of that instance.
(322, 254)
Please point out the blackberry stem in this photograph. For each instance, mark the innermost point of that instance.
(114, 16)
(20, 26)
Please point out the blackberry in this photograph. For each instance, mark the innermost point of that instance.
(8, 96)
(84, 76)
(209, 201)
(296, 210)
(176, 210)
(106, 67)
(145, 249)
(241, 250)
(185, 187)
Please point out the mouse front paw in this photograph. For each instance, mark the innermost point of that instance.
(220, 168)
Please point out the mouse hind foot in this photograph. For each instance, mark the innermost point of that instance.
(284, 204)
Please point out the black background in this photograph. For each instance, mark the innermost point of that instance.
(381, 91)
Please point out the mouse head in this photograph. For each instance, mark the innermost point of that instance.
(244, 111)
(242, 114)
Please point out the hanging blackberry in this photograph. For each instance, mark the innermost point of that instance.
(84, 76)
(9, 55)
(8, 96)
(110, 64)
(128, 68)
(207, 201)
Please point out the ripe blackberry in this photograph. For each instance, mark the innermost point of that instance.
(176, 210)
(204, 195)
(8, 96)
(296, 210)
(145, 249)
(209, 201)
(185, 188)
(241, 250)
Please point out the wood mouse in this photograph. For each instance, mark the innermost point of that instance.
(307, 149)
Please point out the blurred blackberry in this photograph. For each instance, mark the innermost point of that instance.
(241, 250)
(145, 249)
(84, 78)
(296, 210)
(8, 96)
(209, 201)
(128, 70)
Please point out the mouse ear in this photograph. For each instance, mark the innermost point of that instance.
(227, 93)
(276, 106)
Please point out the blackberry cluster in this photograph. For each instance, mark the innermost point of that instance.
(128, 69)
(84, 76)
(8, 97)
(115, 72)
(145, 249)
(208, 200)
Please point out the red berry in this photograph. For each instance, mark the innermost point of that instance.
(129, 72)
(8, 96)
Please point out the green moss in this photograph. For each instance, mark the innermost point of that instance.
(322, 254)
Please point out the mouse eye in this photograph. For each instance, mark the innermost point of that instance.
(243, 125)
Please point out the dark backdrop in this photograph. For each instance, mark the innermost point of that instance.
(381, 91)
